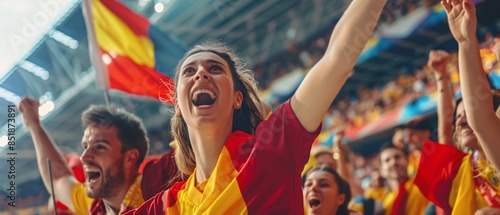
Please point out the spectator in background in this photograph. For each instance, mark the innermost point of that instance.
(376, 188)
(341, 155)
(325, 192)
(336, 157)
(448, 176)
(410, 137)
(323, 155)
(468, 184)
(437, 63)
(402, 196)
(475, 86)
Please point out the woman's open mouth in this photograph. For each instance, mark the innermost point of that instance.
(203, 97)
(314, 203)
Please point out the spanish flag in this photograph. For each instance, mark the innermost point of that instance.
(407, 200)
(128, 53)
(446, 178)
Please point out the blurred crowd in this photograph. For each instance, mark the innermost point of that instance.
(306, 54)
(394, 9)
(367, 103)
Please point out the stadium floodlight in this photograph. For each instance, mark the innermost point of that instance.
(35, 69)
(3, 141)
(64, 39)
(46, 108)
(106, 58)
(47, 96)
(159, 7)
(9, 96)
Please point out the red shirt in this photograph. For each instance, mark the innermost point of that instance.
(158, 174)
(267, 170)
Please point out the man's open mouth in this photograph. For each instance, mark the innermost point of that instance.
(92, 175)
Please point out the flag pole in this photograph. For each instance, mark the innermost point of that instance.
(101, 72)
(107, 97)
(49, 167)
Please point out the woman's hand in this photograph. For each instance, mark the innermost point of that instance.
(461, 19)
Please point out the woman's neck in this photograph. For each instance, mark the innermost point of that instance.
(207, 146)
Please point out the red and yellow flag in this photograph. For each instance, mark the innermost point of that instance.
(128, 53)
(446, 178)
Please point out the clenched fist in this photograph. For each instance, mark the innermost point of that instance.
(29, 109)
(437, 62)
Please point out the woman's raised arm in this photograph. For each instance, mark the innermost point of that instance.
(476, 91)
(324, 81)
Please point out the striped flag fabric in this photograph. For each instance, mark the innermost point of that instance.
(446, 178)
(128, 53)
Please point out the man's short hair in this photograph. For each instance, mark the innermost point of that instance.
(389, 145)
(130, 129)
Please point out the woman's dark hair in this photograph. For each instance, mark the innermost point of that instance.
(343, 186)
(245, 119)
(389, 145)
